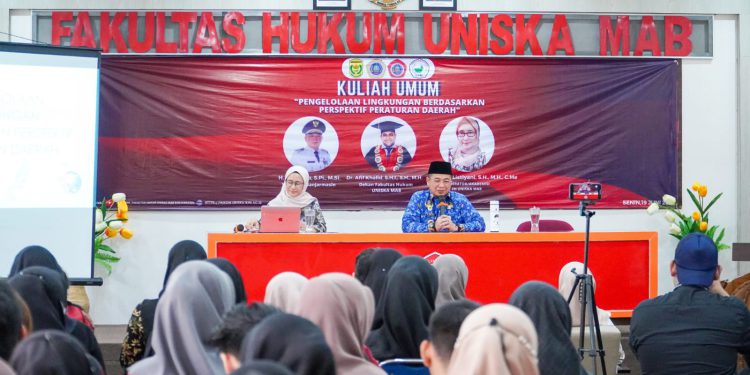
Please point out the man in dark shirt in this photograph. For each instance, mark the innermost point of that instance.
(697, 328)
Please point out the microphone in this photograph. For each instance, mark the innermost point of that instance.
(239, 228)
(442, 204)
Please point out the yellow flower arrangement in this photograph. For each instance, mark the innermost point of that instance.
(682, 225)
(111, 216)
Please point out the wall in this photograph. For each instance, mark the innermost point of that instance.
(711, 153)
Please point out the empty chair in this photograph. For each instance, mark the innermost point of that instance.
(546, 226)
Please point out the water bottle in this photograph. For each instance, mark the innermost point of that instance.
(494, 216)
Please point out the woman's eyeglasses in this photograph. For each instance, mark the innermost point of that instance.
(467, 134)
(291, 183)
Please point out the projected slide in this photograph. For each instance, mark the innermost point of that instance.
(48, 127)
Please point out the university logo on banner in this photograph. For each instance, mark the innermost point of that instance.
(356, 68)
(387, 4)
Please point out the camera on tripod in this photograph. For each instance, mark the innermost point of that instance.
(585, 191)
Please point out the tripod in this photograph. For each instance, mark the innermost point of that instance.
(588, 303)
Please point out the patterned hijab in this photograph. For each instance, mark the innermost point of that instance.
(343, 308)
(452, 278)
(495, 339)
(283, 291)
(302, 200)
(194, 301)
(551, 316)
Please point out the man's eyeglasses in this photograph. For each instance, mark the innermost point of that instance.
(470, 134)
(291, 183)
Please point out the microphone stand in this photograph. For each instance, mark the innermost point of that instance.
(588, 303)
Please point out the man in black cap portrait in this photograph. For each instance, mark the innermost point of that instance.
(697, 328)
(438, 209)
(312, 157)
(387, 156)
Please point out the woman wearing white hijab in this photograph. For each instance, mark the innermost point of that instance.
(283, 291)
(294, 194)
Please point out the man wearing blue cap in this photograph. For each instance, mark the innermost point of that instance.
(388, 156)
(697, 328)
(438, 209)
(312, 157)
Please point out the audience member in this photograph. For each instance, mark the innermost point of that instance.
(291, 341)
(362, 263)
(235, 325)
(49, 352)
(283, 291)
(39, 256)
(696, 328)
(135, 345)
(10, 320)
(565, 282)
(373, 274)
(443, 329)
(43, 289)
(453, 275)
(196, 297)
(495, 339)
(343, 308)
(262, 368)
(234, 274)
(27, 324)
(408, 301)
(550, 314)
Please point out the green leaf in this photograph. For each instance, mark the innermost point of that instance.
(712, 202)
(678, 213)
(107, 258)
(675, 236)
(695, 200)
(710, 232)
(106, 248)
(721, 236)
(723, 247)
(684, 226)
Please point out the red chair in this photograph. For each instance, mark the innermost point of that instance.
(546, 226)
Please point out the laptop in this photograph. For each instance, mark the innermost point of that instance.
(279, 219)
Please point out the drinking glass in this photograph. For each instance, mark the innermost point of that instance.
(309, 220)
(534, 212)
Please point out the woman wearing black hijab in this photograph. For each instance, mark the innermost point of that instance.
(51, 352)
(551, 316)
(234, 274)
(406, 305)
(292, 341)
(44, 292)
(141, 324)
(372, 272)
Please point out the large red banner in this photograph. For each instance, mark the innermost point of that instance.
(207, 133)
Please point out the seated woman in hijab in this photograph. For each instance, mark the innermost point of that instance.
(407, 303)
(551, 317)
(565, 283)
(495, 339)
(140, 326)
(196, 297)
(294, 194)
(53, 352)
(467, 156)
(452, 278)
(371, 270)
(283, 291)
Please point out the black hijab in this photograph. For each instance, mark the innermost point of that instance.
(36, 256)
(51, 352)
(373, 275)
(406, 305)
(292, 341)
(262, 368)
(231, 270)
(48, 306)
(551, 316)
(181, 252)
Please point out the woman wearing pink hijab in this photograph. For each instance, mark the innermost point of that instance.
(495, 339)
(343, 308)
